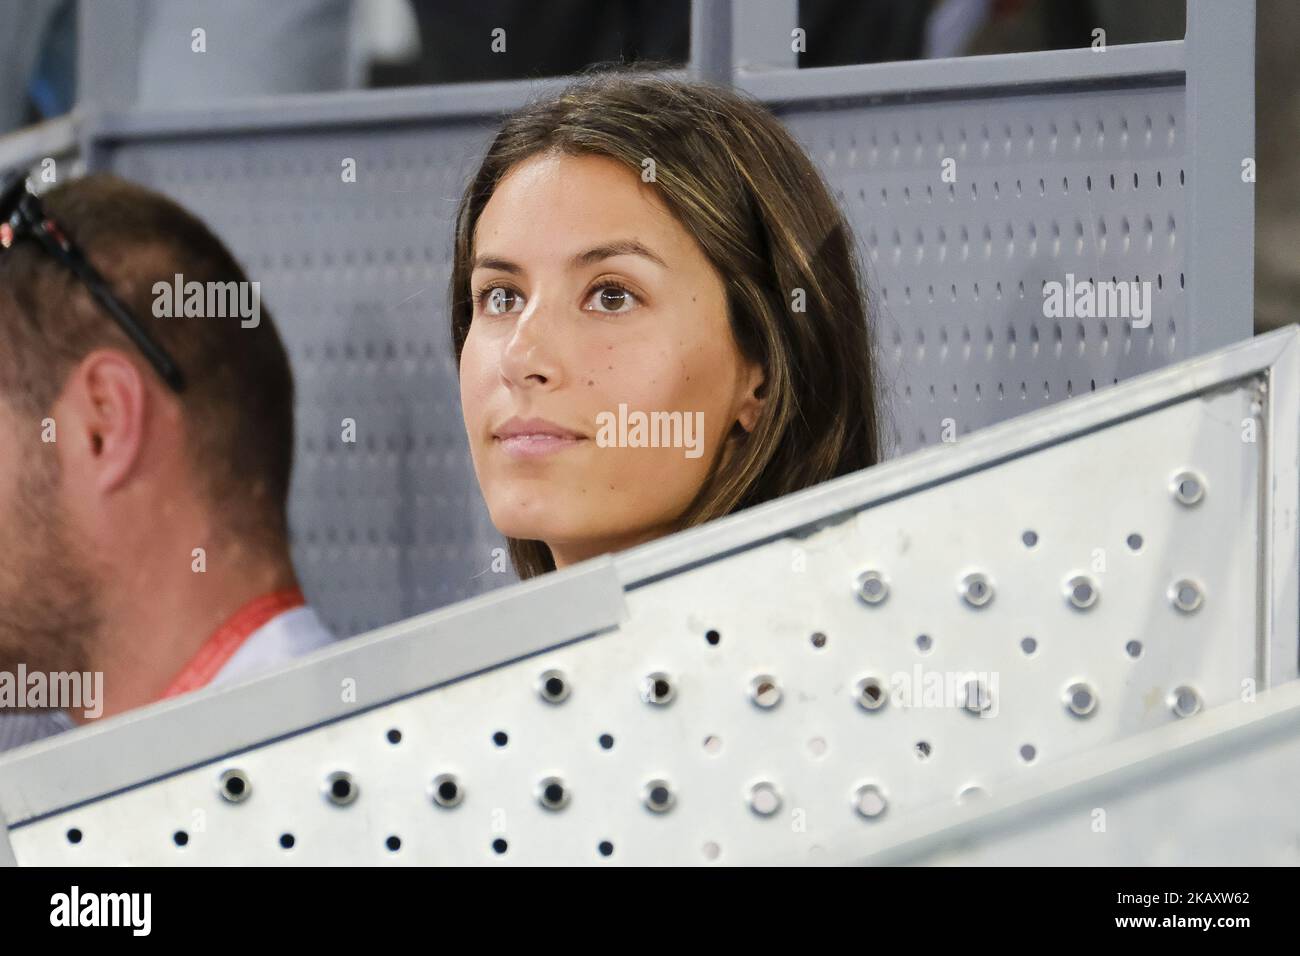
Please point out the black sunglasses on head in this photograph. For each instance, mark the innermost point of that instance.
(22, 216)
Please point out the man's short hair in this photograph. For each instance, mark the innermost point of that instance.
(238, 399)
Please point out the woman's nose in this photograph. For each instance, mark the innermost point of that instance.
(529, 357)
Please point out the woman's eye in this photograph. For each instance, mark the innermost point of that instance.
(500, 300)
(611, 298)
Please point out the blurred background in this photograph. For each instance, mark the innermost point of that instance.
(302, 46)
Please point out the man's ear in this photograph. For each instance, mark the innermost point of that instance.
(753, 384)
(101, 411)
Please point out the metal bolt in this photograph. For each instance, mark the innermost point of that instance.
(976, 589)
(764, 691)
(976, 698)
(872, 587)
(1186, 595)
(1080, 699)
(340, 789)
(1082, 591)
(446, 790)
(764, 799)
(553, 687)
(553, 794)
(1188, 487)
(234, 786)
(1185, 701)
(658, 796)
(870, 694)
(869, 801)
(657, 689)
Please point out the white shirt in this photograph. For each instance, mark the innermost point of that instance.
(284, 637)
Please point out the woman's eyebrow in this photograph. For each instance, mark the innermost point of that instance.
(493, 262)
(607, 250)
(619, 247)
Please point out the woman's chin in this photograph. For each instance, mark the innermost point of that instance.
(527, 526)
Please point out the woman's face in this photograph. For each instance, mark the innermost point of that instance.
(600, 329)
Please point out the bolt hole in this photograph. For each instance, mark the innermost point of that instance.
(1028, 752)
(657, 689)
(869, 801)
(658, 796)
(394, 843)
(1028, 645)
(765, 692)
(287, 841)
(713, 637)
(446, 790)
(1133, 649)
(340, 788)
(606, 742)
(819, 640)
(871, 695)
(1134, 542)
(501, 738)
(1187, 596)
(1081, 591)
(1186, 702)
(1189, 489)
(74, 836)
(554, 688)
(394, 736)
(1080, 700)
(872, 588)
(764, 799)
(234, 786)
(553, 794)
(1030, 538)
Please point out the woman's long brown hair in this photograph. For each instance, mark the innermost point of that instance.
(764, 217)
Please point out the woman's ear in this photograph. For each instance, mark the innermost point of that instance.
(751, 396)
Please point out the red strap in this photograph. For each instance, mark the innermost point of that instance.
(230, 637)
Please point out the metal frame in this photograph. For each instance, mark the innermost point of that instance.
(588, 599)
(57, 138)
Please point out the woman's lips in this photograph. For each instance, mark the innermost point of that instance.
(536, 446)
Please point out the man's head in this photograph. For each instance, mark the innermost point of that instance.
(100, 456)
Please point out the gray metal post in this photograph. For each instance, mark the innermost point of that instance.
(108, 33)
(711, 40)
(1220, 224)
(763, 33)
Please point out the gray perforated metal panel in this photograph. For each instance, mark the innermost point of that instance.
(1219, 791)
(1090, 184)
(355, 274)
